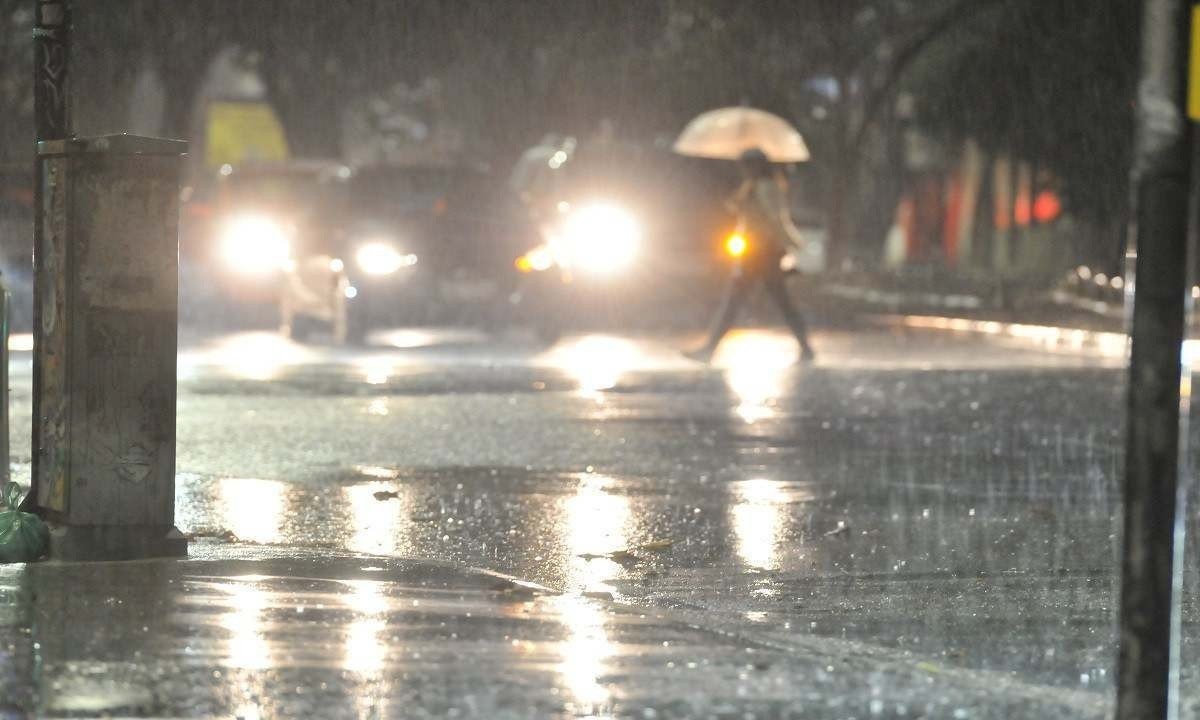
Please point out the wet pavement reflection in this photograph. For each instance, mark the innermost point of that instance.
(758, 367)
(244, 633)
(942, 504)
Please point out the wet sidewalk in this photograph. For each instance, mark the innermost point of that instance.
(969, 304)
(244, 631)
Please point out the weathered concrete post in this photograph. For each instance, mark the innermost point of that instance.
(105, 347)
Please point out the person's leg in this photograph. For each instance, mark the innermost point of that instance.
(776, 287)
(735, 295)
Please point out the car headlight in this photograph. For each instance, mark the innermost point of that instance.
(255, 245)
(380, 258)
(599, 238)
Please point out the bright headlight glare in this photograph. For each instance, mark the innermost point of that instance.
(380, 258)
(255, 245)
(600, 238)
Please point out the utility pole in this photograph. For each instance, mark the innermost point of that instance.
(51, 45)
(1156, 466)
(51, 121)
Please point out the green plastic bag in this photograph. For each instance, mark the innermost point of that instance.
(23, 536)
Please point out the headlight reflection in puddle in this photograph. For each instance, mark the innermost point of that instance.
(595, 522)
(375, 524)
(247, 356)
(757, 516)
(376, 370)
(757, 365)
(252, 508)
(248, 647)
(596, 362)
(585, 652)
(366, 646)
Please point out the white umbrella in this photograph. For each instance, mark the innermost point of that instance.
(726, 133)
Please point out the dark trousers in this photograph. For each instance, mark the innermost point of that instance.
(741, 284)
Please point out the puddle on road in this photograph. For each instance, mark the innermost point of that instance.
(934, 547)
(318, 636)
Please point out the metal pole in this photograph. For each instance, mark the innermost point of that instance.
(51, 53)
(51, 37)
(1155, 461)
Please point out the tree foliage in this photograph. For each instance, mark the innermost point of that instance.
(1045, 79)
(1049, 81)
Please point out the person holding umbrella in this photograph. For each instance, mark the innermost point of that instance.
(765, 229)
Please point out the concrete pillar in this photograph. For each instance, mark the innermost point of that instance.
(105, 347)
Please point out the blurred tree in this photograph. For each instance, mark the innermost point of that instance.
(833, 67)
(867, 48)
(1048, 81)
(16, 80)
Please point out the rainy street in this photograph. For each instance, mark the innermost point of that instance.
(929, 515)
(581, 359)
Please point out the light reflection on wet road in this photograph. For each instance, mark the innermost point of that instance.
(950, 499)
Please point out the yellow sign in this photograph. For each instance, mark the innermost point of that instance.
(1193, 99)
(239, 131)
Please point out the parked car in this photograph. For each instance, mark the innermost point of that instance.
(289, 234)
(462, 224)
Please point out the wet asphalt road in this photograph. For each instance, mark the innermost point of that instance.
(921, 499)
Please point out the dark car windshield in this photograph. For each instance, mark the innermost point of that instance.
(401, 190)
(279, 191)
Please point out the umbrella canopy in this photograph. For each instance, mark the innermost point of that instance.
(726, 133)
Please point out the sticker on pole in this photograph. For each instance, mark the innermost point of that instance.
(1193, 97)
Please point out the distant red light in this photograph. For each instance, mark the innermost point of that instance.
(199, 209)
(1047, 207)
